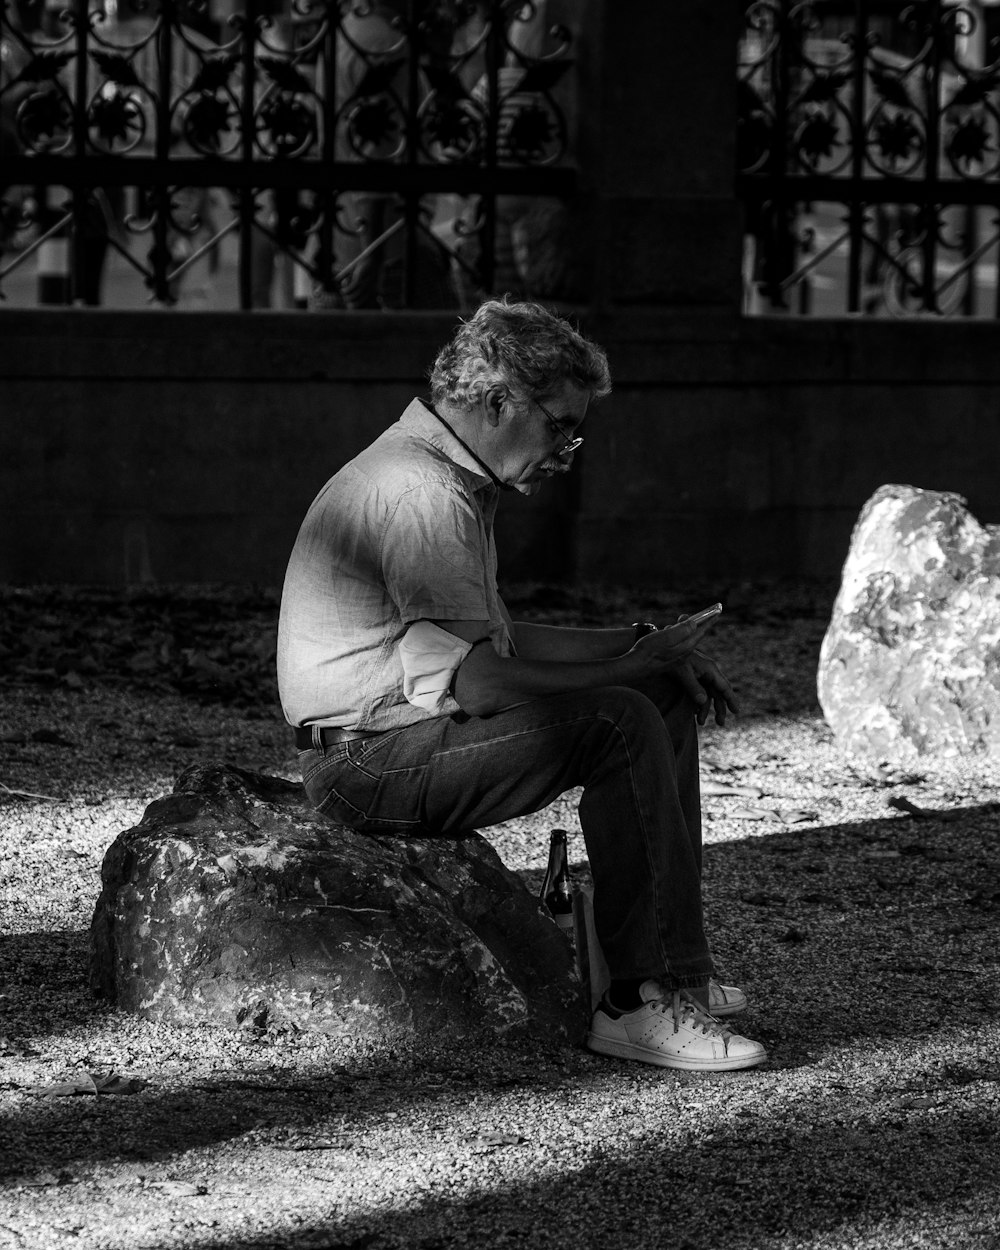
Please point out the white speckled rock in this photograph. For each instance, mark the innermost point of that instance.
(910, 664)
(233, 902)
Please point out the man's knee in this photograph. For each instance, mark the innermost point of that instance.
(666, 726)
(632, 712)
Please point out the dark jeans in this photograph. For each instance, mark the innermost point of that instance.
(636, 757)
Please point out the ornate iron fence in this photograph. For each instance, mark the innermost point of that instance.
(388, 149)
(869, 153)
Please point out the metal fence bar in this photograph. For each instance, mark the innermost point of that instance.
(290, 120)
(879, 107)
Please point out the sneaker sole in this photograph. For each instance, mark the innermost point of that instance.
(732, 1009)
(629, 1050)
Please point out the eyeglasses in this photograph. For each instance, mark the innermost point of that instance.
(571, 444)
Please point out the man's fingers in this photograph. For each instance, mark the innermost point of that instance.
(721, 693)
(682, 637)
(693, 688)
(700, 630)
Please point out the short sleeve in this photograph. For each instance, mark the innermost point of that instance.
(434, 555)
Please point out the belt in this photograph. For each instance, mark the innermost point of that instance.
(315, 737)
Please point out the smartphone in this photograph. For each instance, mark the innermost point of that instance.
(705, 614)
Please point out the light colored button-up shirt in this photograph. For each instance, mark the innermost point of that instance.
(403, 533)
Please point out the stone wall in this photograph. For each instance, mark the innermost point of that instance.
(166, 447)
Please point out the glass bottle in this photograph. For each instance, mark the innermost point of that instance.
(556, 894)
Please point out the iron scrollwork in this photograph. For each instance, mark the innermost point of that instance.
(869, 153)
(327, 131)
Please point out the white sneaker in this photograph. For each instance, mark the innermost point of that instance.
(670, 1030)
(725, 1000)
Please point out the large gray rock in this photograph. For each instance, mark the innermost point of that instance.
(233, 902)
(910, 664)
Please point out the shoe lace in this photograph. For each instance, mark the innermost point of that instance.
(683, 1007)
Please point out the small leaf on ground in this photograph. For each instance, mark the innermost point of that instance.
(493, 1141)
(29, 794)
(902, 804)
(178, 1189)
(91, 1083)
(115, 1084)
(721, 789)
(65, 1089)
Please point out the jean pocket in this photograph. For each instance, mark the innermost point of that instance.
(365, 785)
(336, 788)
(366, 752)
(313, 763)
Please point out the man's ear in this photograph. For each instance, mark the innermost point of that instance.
(493, 401)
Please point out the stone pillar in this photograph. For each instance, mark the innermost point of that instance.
(657, 126)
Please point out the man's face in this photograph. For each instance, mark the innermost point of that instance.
(535, 437)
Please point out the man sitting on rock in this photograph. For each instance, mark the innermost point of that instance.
(420, 707)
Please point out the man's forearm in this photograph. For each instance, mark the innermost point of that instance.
(561, 660)
(566, 643)
(485, 683)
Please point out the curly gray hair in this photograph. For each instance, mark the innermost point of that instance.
(522, 346)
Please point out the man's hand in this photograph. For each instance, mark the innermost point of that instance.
(708, 686)
(668, 648)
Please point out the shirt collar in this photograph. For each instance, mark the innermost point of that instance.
(418, 419)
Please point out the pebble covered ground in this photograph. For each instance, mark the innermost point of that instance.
(856, 904)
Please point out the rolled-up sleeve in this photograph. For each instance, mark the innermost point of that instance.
(430, 657)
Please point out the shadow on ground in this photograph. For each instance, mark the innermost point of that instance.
(906, 954)
(689, 1192)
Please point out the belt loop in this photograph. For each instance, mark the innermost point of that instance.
(317, 739)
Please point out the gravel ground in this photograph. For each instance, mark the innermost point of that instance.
(864, 933)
